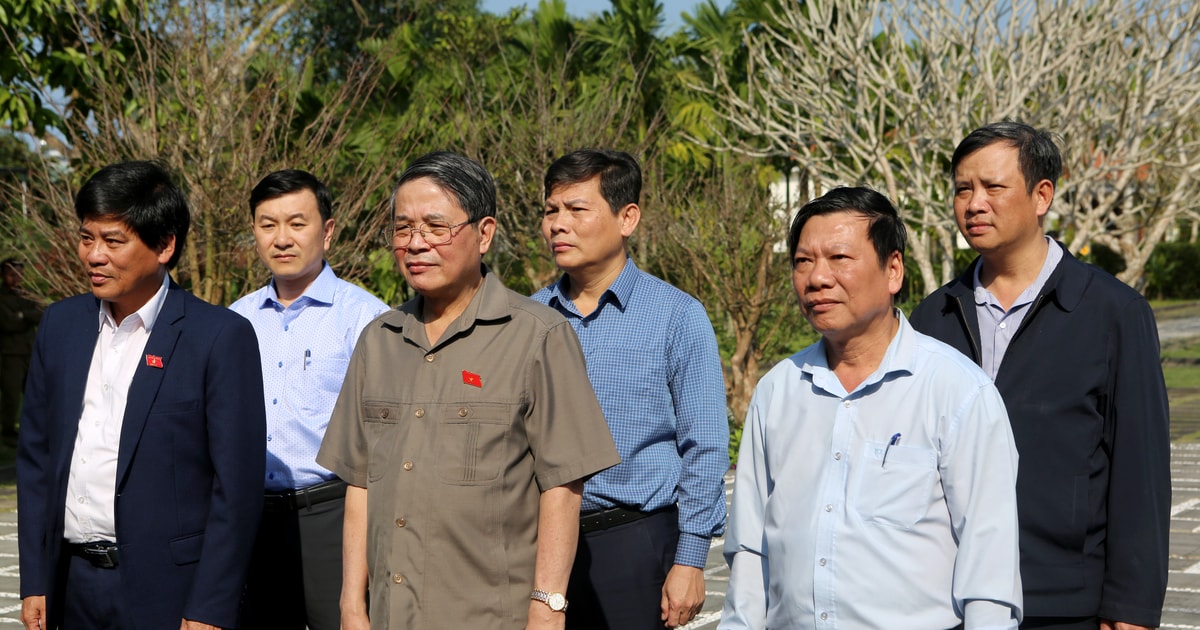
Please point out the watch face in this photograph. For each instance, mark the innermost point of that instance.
(556, 601)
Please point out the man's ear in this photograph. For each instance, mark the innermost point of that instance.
(630, 216)
(166, 249)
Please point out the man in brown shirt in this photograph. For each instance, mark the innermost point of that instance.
(468, 419)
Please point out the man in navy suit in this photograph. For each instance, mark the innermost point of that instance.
(140, 458)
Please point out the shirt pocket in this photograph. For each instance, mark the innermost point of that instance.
(471, 442)
(320, 385)
(380, 422)
(894, 492)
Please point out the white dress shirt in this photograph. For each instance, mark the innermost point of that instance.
(837, 522)
(91, 487)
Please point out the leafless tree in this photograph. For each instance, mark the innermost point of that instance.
(211, 92)
(877, 93)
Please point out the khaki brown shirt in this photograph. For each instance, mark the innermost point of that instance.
(455, 444)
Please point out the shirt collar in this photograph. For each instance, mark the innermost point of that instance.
(147, 314)
(320, 290)
(619, 292)
(490, 303)
(900, 359)
(1054, 256)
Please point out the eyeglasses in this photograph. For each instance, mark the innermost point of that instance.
(433, 233)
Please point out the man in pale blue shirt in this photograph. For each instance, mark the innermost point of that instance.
(877, 471)
(308, 322)
(646, 524)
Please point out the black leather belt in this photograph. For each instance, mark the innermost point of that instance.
(102, 553)
(293, 500)
(612, 517)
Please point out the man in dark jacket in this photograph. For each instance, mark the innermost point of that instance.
(1075, 356)
(19, 317)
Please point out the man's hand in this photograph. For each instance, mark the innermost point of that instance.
(1106, 624)
(188, 624)
(542, 618)
(33, 612)
(682, 595)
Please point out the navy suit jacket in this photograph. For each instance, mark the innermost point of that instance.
(189, 467)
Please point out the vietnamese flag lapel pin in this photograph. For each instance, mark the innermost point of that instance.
(154, 361)
(472, 379)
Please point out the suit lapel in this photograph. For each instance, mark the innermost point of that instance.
(75, 376)
(149, 377)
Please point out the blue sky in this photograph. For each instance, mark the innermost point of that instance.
(583, 8)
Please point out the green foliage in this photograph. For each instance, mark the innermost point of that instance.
(43, 49)
(1105, 258)
(1171, 271)
(735, 438)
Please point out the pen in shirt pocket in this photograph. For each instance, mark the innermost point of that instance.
(307, 358)
(892, 442)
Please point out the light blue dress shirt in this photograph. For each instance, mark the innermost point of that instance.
(838, 523)
(305, 350)
(652, 359)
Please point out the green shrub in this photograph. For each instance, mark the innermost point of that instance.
(1171, 272)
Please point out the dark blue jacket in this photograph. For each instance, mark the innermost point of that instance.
(189, 466)
(1084, 389)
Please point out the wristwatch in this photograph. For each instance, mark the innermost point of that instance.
(556, 601)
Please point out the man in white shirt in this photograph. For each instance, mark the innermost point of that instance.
(876, 477)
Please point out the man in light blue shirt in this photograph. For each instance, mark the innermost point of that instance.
(646, 524)
(307, 321)
(876, 477)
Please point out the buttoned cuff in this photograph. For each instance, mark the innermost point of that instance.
(692, 550)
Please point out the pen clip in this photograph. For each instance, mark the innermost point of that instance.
(892, 442)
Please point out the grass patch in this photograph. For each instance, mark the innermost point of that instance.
(1181, 377)
(1175, 309)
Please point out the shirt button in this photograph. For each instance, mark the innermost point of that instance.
(408, 465)
(274, 401)
(462, 412)
(429, 358)
(401, 522)
(829, 507)
(1003, 325)
(285, 328)
(838, 456)
(82, 500)
(383, 413)
(846, 404)
(822, 562)
(281, 364)
(397, 578)
(268, 438)
(824, 616)
(420, 413)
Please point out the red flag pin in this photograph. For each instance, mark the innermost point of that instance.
(154, 361)
(473, 379)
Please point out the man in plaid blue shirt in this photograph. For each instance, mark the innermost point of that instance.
(652, 358)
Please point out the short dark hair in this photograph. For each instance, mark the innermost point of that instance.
(620, 175)
(288, 181)
(886, 230)
(1038, 156)
(465, 179)
(12, 263)
(139, 194)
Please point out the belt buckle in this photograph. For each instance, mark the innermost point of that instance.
(101, 557)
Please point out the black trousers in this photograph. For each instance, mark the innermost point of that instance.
(618, 575)
(92, 598)
(296, 572)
